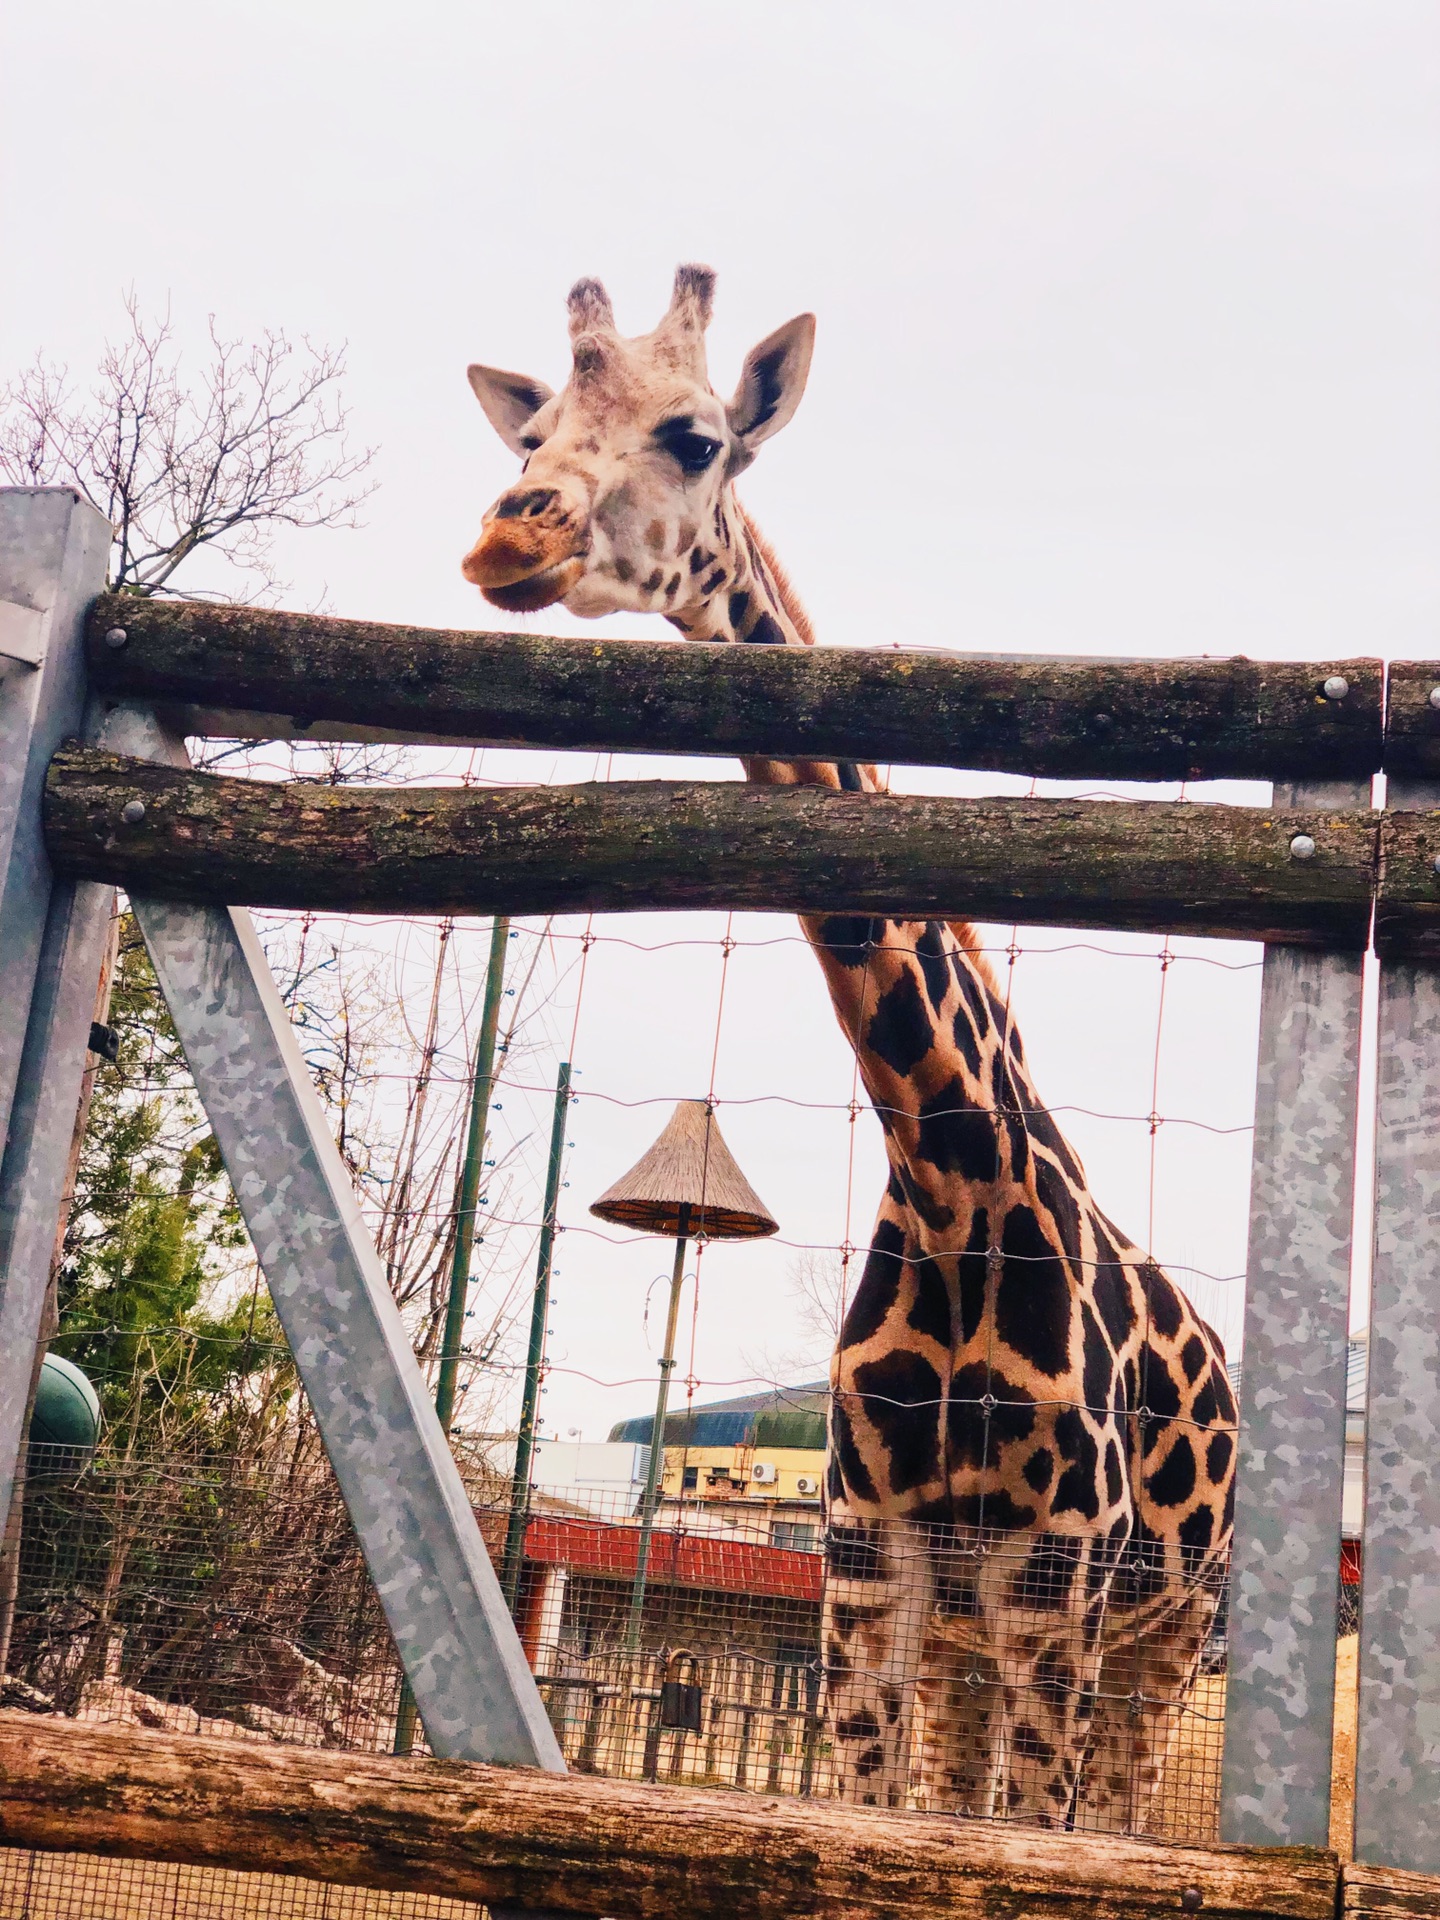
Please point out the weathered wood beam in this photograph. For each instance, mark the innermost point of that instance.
(1407, 904)
(630, 845)
(570, 1844)
(1412, 721)
(254, 672)
(1388, 1893)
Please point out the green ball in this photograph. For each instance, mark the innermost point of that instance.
(67, 1415)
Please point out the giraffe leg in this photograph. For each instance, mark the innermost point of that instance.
(1145, 1680)
(957, 1693)
(956, 1720)
(1043, 1624)
(1047, 1701)
(878, 1599)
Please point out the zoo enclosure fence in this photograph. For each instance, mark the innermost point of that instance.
(1266, 879)
(204, 1596)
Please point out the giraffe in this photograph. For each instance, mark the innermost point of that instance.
(1029, 1482)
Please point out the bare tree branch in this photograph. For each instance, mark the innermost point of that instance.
(260, 444)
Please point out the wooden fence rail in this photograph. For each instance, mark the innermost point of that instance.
(254, 672)
(567, 1844)
(1412, 719)
(630, 845)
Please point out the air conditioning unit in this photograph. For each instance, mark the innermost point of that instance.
(764, 1473)
(807, 1486)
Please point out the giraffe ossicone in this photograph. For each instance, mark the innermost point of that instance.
(1032, 1438)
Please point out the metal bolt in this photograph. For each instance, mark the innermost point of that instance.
(1436, 863)
(1302, 847)
(1336, 687)
(1435, 696)
(1104, 720)
(133, 812)
(1191, 1900)
(116, 637)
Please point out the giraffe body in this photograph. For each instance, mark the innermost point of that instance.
(1031, 1456)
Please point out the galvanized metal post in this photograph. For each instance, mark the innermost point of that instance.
(1397, 1768)
(535, 1359)
(53, 548)
(449, 1620)
(1285, 1564)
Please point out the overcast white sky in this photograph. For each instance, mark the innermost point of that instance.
(1128, 343)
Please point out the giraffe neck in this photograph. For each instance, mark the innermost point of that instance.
(744, 594)
(871, 966)
(748, 597)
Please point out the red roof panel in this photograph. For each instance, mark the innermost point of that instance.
(705, 1560)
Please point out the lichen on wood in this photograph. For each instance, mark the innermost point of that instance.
(654, 845)
(525, 1840)
(254, 671)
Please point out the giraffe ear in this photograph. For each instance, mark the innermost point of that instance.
(510, 400)
(771, 383)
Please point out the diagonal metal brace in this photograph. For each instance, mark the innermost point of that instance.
(456, 1640)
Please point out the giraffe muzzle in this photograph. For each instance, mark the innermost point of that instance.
(526, 556)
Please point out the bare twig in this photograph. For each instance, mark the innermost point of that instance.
(259, 444)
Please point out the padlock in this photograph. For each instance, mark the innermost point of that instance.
(681, 1700)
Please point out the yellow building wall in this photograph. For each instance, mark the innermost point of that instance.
(725, 1473)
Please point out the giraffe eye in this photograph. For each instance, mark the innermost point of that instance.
(693, 451)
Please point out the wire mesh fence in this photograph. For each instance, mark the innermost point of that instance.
(229, 1601)
(201, 1576)
(75, 1886)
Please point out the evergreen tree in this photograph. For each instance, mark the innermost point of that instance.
(153, 1294)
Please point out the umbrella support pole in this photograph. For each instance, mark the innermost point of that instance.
(649, 1500)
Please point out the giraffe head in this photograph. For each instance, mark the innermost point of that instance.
(622, 502)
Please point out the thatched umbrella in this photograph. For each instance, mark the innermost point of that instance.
(686, 1184)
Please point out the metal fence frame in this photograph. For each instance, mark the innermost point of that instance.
(456, 1640)
(1285, 1561)
(460, 1650)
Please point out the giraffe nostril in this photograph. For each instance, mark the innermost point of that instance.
(526, 506)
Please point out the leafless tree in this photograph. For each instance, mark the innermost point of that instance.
(259, 443)
(390, 1047)
(821, 1288)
